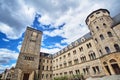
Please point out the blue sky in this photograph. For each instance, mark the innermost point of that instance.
(62, 22)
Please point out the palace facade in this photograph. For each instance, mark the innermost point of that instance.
(95, 54)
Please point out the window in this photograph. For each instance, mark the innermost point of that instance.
(101, 37)
(92, 56)
(97, 12)
(94, 70)
(98, 70)
(50, 75)
(117, 47)
(47, 68)
(104, 25)
(76, 61)
(60, 73)
(47, 61)
(77, 71)
(83, 58)
(50, 67)
(65, 73)
(43, 61)
(109, 34)
(96, 40)
(64, 56)
(28, 58)
(70, 63)
(56, 67)
(91, 16)
(56, 60)
(107, 49)
(43, 68)
(70, 72)
(39, 60)
(68, 54)
(97, 28)
(65, 64)
(84, 71)
(89, 45)
(46, 75)
(60, 65)
(100, 52)
(74, 52)
(39, 67)
(60, 58)
(81, 49)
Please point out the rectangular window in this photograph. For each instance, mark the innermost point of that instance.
(28, 58)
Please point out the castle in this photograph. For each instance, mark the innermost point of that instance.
(95, 54)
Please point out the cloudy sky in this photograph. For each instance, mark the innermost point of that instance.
(62, 22)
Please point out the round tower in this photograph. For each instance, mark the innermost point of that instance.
(100, 23)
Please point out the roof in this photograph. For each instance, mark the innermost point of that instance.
(116, 20)
(73, 44)
(96, 11)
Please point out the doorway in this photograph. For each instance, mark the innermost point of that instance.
(26, 76)
(116, 68)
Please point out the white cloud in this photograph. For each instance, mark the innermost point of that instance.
(19, 47)
(5, 40)
(3, 67)
(51, 51)
(6, 55)
(15, 16)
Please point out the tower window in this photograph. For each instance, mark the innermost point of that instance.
(107, 49)
(117, 47)
(109, 34)
(97, 12)
(97, 28)
(96, 40)
(101, 37)
(100, 52)
(104, 25)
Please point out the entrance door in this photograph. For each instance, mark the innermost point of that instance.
(26, 76)
(116, 68)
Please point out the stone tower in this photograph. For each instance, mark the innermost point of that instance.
(100, 25)
(28, 60)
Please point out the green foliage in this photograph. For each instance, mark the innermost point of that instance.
(61, 78)
(73, 77)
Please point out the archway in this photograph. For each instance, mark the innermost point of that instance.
(26, 76)
(115, 66)
(107, 68)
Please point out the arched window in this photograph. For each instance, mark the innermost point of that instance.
(112, 61)
(96, 40)
(94, 55)
(104, 25)
(101, 37)
(104, 63)
(117, 47)
(109, 34)
(97, 28)
(107, 49)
